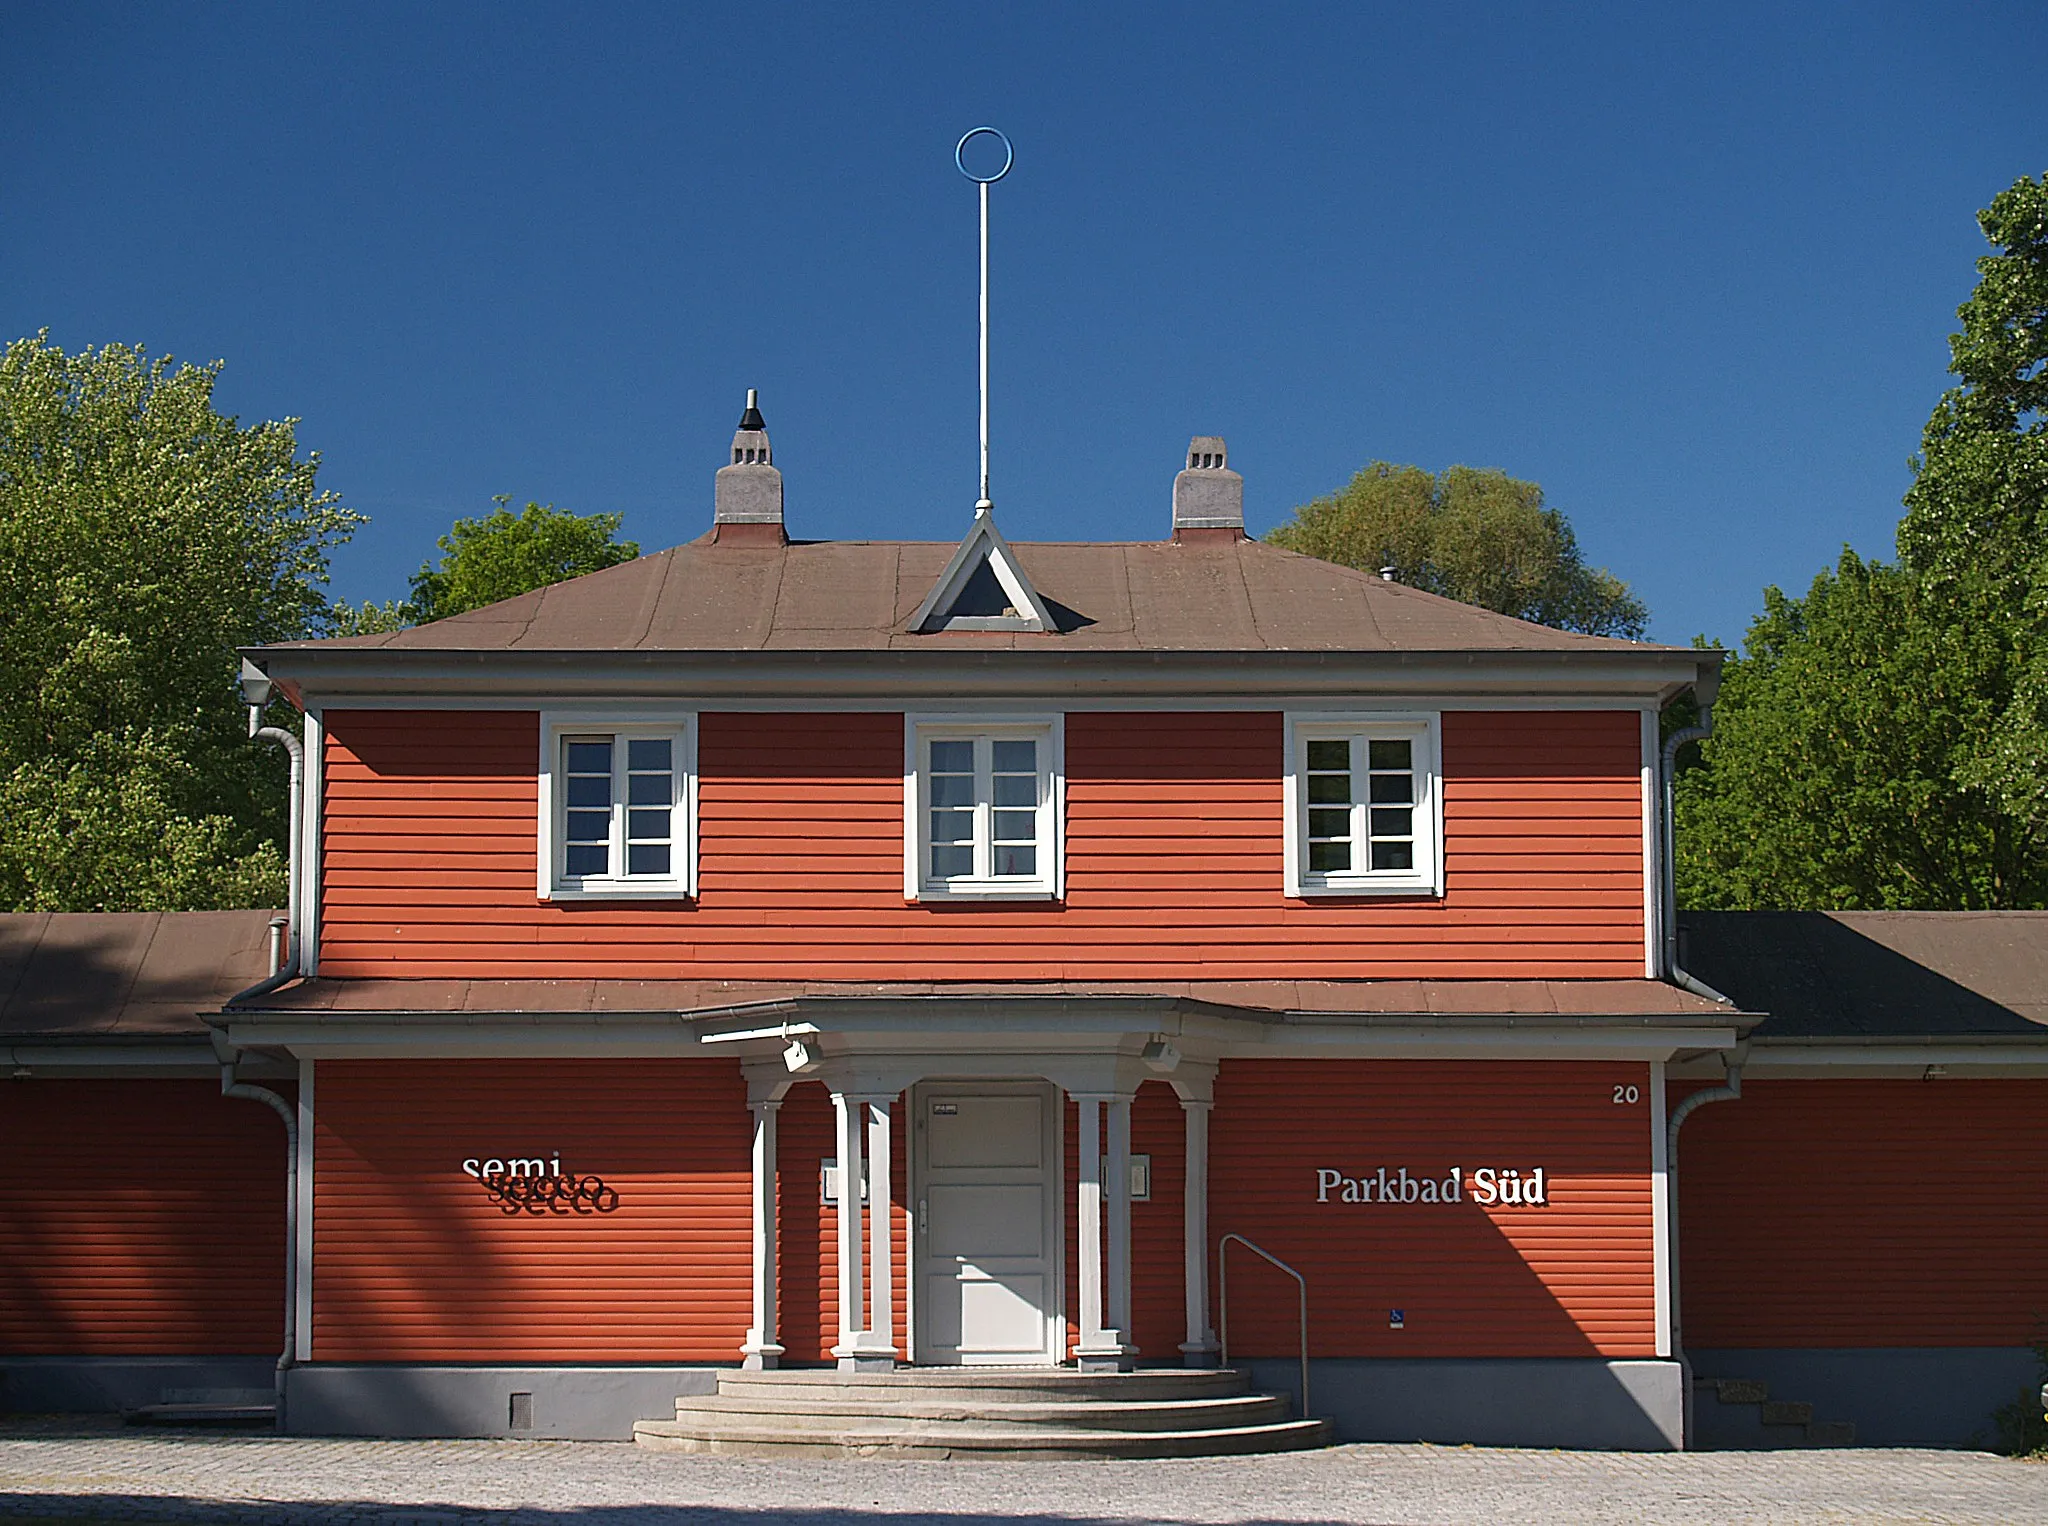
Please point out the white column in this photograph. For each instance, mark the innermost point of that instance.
(1117, 1295)
(1199, 1349)
(881, 1338)
(1088, 1224)
(847, 1111)
(761, 1349)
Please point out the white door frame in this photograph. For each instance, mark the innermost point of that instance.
(1055, 1349)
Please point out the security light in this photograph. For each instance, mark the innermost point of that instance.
(256, 684)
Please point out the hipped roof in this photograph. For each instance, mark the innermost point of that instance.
(1215, 594)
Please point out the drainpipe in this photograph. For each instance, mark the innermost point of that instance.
(1730, 1091)
(230, 1087)
(1704, 690)
(293, 954)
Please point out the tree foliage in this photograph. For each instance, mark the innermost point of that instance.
(1481, 537)
(1883, 741)
(143, 536)
(1834, 777)
(503, 554)
(1976, 525)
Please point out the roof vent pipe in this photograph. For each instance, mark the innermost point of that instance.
(1208, 495)
(748, 489)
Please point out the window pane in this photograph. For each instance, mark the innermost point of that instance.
(952, 757)
(1331, 755)
(1329, 789)
(953, 826)
(1016, 789)
(590, 826)
(952, 863)
(1016, 826)
(590, 789)
(952, 789)
(1397, 789)
(1016, 860)
(648, 753)
(1329, 823)
(1016, 757)
(1392, 821)
(1393, 855)
(1391, 754)
(585, 859)
(1328, 857)
(647, 858)
(590, 758)
(647, 824)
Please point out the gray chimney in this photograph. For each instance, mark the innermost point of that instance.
(749, 490)
(1208, 495)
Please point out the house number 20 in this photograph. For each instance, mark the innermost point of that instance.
(1623, 1095)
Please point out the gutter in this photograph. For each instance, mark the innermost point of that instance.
(1731, 1091)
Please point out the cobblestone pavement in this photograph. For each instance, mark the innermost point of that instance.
(98, 1472)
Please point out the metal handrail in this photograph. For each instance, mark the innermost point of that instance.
(1223, 1302)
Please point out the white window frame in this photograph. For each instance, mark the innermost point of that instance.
(1423, 731)
(1049, 884)
(679, 729)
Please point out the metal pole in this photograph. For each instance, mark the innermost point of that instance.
(985, 500)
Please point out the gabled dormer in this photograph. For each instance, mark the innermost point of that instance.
(983, 588)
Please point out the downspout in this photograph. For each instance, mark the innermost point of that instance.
(289, 969)
(1704, 690)
(1729, 1092)
(230, 1087)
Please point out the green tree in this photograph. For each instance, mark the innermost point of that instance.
(1976, 525)
(1481, 537)
(503, 554)
(143, 536)
(1836, 777)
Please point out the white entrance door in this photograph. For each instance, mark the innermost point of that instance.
(987, 1274)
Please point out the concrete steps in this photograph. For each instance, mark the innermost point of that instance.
(1739, 1414)
(1039, 1413)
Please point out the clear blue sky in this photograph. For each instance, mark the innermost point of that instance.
(1690, 267)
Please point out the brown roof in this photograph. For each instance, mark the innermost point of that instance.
(1211, 595)
(1877, 974)
(94, 974)
(1489, 998)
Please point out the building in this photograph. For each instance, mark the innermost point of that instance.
(1082, 910)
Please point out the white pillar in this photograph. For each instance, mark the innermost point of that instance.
(881, 1339)
(1117, 1295)
(1102, 1344)
(847, 1113)
(1199, 1349)
(761, 1349)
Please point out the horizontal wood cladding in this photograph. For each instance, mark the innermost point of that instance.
(1173, 833)
(144, 1218)
(414, 1262)
(807, 1269)
(1866, 1213)
(1574, 1278)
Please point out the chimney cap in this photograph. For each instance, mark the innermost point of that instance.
(752, 419)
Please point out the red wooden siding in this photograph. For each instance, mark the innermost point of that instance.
(142, 1218)
(1159, 1321)
(412, 1261)
(807, 1274)
(1576, 1278)
(1866, 1213)
(1173, 846)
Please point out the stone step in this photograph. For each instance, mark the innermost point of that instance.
(202, 1414)
(1227, 1412)
(1786, 1412)
(1740, 1390)
(1046, 1385)
(1831, 1433)
(943, 1440)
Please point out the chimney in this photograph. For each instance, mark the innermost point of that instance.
(1208, 498)
(748, 493)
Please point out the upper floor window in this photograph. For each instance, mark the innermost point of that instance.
(1364, 811)
(982, 808)
(617, 802)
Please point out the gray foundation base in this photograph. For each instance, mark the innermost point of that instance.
(561, 1403)
(1894, 1396)
(109, 1384)
(1524, 1402)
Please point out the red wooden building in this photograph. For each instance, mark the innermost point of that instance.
(881, 955)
